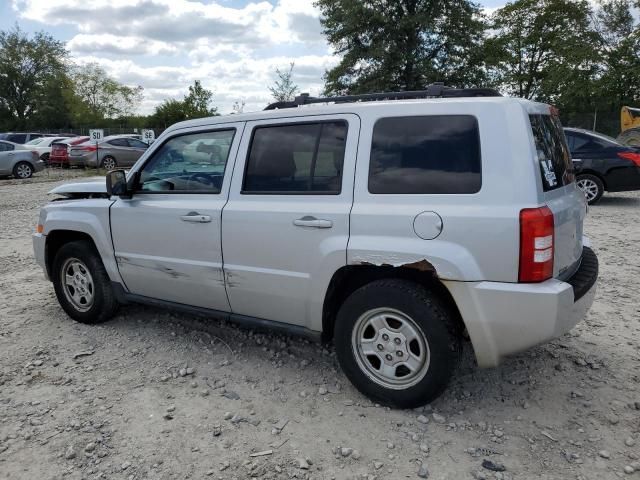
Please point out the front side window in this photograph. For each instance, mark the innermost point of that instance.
(303, 158)
(435, 154)
(181, 166)
(553, 154)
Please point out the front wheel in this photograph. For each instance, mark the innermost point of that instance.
(23, 170)
(396, 343)
(591, 186)
(81, 283)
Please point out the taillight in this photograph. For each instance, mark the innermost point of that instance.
(634, 157)
(536, 244)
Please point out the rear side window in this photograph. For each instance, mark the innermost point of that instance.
(552, 151)
(435, 154)
(303, 158)
(6, 147)
(18, 138)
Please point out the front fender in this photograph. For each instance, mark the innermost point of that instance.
(89, 216)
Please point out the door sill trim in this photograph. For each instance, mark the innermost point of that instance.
(245, 321)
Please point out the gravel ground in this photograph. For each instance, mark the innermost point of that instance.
(159, 395)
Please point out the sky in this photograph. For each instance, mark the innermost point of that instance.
(232, 46)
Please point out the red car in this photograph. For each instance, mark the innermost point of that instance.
(60, 150)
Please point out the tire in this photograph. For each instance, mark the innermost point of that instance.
(407, 310)
(77, 259)
(592, 187)
(109, 163)
(23, 170)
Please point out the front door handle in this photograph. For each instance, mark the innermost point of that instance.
(310, 221)
(195, 217)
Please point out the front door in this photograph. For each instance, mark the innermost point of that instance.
(167, 236)
(286, 226)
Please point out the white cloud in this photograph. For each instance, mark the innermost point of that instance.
(164, 45)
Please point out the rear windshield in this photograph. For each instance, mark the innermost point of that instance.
(556, 167)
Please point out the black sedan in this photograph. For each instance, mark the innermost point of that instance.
(602, 164)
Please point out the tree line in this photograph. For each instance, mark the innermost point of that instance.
(41, 88)
(584, 59)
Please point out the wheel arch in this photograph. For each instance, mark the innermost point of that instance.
(349, 278)
(56, 239)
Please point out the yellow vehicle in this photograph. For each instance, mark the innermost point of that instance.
(629, 126)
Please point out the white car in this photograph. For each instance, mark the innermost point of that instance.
(42, 145)
(396, 225)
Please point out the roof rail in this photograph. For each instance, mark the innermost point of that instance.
(435, 90)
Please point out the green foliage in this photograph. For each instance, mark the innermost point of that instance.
(284, 88)
(402, 44)
(196, 104)
(29, 68)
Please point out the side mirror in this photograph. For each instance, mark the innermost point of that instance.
(117, 183)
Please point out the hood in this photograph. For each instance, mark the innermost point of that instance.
(92, 185)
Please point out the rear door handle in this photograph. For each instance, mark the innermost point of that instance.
(195, 217)
(310, 221)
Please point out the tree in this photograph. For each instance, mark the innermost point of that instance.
(543, 49)
(284, 89)
(402, 44)
(104, 96)
(28, 69)
(197, 102)
(619, 35)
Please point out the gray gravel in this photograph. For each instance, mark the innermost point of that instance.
(569, 409)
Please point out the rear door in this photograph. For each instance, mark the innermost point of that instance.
(167, 236)
(286, 226)
(560, 192)
(6, 158)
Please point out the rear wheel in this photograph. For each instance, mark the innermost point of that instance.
(23, 170)
(396, 343)
(109, 163)
(592, 187)
(81, 283)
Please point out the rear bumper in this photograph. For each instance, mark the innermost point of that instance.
(80, 161)
(506, 318)
(59, 160)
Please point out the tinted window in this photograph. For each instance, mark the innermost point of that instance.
(436, 154)
(300, 158)
(119, 142)
(136, 143)
(6, 147)
(179, 165)
(553, 154)
(17, 138)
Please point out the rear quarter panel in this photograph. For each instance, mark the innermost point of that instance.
(480, 235)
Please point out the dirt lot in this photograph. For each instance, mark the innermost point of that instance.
(159, 395)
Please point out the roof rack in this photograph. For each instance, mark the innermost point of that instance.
(435, 90)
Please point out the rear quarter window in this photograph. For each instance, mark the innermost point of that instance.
(434, 154)
(552, 152)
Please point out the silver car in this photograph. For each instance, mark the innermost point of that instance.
(112, 152)
(17, 161)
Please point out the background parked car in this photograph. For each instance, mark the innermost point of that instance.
(19, 162)
(114, 151)
(602, 163)
(43, 146)
(60, 150)
(20, 138)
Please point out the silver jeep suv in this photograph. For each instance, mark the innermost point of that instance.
(396, 225)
